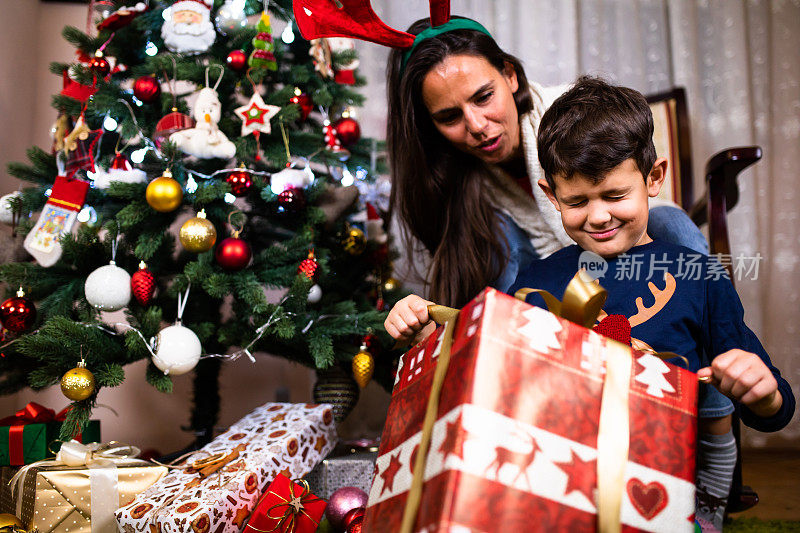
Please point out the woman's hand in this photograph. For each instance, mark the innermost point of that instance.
(409, 321)
(744, 377)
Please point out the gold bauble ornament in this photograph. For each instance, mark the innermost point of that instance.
(78, 384)
(390, 284)
(164, 194)
(9, 522)
(354, 241)
(363, 366)
(198, 234)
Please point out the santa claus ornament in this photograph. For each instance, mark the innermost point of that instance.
(187, 27)
(206, 140)
(344, 72)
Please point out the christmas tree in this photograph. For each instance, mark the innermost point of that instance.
(184, 108)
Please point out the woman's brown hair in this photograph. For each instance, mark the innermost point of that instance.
(439, 192)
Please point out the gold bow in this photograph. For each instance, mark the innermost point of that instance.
(291, 508)
(582, 303)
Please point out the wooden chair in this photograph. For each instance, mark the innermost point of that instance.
(673, 141)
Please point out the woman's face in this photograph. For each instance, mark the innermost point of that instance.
(472, 105)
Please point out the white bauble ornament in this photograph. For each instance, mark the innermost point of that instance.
(314, 294)
(108, 288)
(177, 349)
(6, 212)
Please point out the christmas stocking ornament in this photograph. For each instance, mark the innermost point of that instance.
(56, 219)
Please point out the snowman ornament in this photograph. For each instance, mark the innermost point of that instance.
(205, 140)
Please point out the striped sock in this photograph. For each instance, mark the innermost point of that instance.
(716, 459)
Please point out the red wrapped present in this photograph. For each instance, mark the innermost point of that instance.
(541, 422)
(286, 507)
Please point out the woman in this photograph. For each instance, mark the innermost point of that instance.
(462, 146)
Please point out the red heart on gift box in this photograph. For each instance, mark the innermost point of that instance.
(648, 499)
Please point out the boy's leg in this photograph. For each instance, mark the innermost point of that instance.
(716, 457)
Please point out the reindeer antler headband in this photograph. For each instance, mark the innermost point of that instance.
(356, 19)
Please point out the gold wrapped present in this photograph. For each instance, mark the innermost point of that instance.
(80, 489)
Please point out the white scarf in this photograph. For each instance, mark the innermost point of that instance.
(535, 216)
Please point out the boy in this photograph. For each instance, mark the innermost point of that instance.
(593, 143)
(595, 146)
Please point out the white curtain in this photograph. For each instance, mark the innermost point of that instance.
(739, 61)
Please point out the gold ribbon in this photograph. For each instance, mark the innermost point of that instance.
(447, 316)
(101, 460)
(583, 300)
(582, 303)
(293, 507)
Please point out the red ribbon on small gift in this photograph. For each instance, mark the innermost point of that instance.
(289, 507)
(33, 413)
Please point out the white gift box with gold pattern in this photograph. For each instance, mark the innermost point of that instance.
(276, 438)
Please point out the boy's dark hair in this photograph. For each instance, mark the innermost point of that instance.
(594, 127)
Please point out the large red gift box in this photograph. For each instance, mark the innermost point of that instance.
(515, 443)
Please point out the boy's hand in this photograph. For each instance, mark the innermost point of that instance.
(744, 377)
(408, 320)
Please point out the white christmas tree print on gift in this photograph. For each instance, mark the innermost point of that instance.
(653, 375)
(541, 329)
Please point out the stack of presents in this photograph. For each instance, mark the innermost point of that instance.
(507, 416)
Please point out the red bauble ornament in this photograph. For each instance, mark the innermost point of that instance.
(233, 254)
(18, 313)
(239, 180)
(347, 131)
(353, 520)
(99, 65)
(147, 89)
(291, 202)
(341, 502)
(143, 284)
(236, 60)
(308, 267)
(305, 103)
